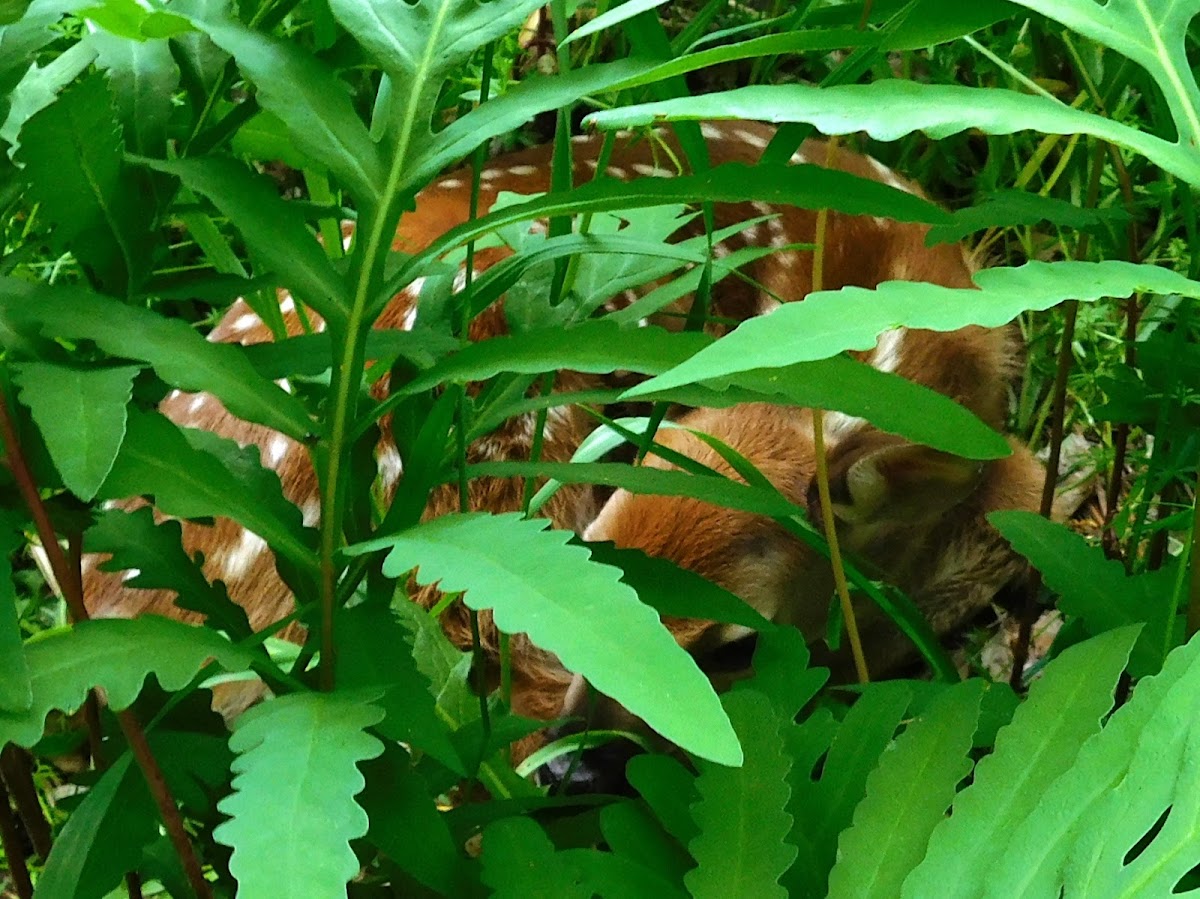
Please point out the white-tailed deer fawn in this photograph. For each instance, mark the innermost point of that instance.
(914, 514)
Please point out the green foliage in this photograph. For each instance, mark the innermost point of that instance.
(140, 194)
(533, 581)
(309, 853)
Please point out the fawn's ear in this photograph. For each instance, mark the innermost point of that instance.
(885, 478)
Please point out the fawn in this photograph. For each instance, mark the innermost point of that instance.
(913, 513)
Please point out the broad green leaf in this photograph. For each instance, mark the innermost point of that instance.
(824, 806)
(71, 152)
(80, 413)
(1095, 588)
(16, 692)
(274, 229)
(668, 789)
(134, 23)
(156, 551)
(596, 346)
(632, 832)
(535, 582)
(1078, 809)
(143, 76)
(298, 753)
(196, 474)
(117, 655)
(1063, 710)
(907, 796)
(104, 837)
(852, 318)
(781, 671)
(407, 826)
(890, 109)
(809, 187)
(743, 848)
(298, 89)
(1151, 33)
(886, 400)
(519, 862)
(179, 355)
(1005, 208)
(374, 651)
(671, 590)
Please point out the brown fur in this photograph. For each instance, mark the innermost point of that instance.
(747, 554)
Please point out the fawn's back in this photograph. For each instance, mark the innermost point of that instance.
(953, 566)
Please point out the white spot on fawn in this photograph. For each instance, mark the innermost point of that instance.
(581, 138)
(889, 350)
(522, 170)
(839, 424)
(288, 304)
(749, 137)
(652, 171)
(391, 466)
(197, 403)
(800, 158)
(616, 171)
(131, 574)
(244, 323)
(240, 559)
(449, 184)
(490, 174)
(276, 449)
(410, 319)
(711, 131)
(285, 384)
(311, 511)
(174, 395)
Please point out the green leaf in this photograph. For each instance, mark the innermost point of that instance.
(1005, 208)
(1118, 788)
(71, 151)
(614, 16)
(886, 400)
(742, 849)
(275, 230)
(117, 655)
(892, 108)
(40, 85)
(156, 551)
(781, 671)
(671, 590)
(1095, 588)
(631, 832)
(81, 415)
(179, 355)
(519, 862)
(596, 346)
(1063, 710)
(104, 837)
(300, 753)
(16, 691)
(915, 783)
(668, 789)
(407, 826)
(297, 88)
(133, 23)
(143, 76)
(374, 651)
(852, 318)
(809, 187)
(823, 807)
(196, 474)
(535, 582)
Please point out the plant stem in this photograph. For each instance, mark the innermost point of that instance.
(73, 594)
(14, 851)
(1193, 608)
(827, 518)
(16, 771)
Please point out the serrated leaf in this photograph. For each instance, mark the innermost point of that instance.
(1005, 208)
(71, 151)
(535, 582)
(81, 415)
(631, 832)
(297, 88)
(1064, 708)
(374, 651)
(117, 655)
(781, 671)
(299, 753)
(823, 807)
(596, 346)
(830, 322)
(179, 355)
(668, 789)
(743, 847)
(196, 474)
(274, 229)
(519, 862)
(103, 838)
(134, 23)
(892, 108)
(16, 691)
(907, 796)
(156, 552)
(143, 76)
(1076, 837)
(40, 85)
(1097, 589)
